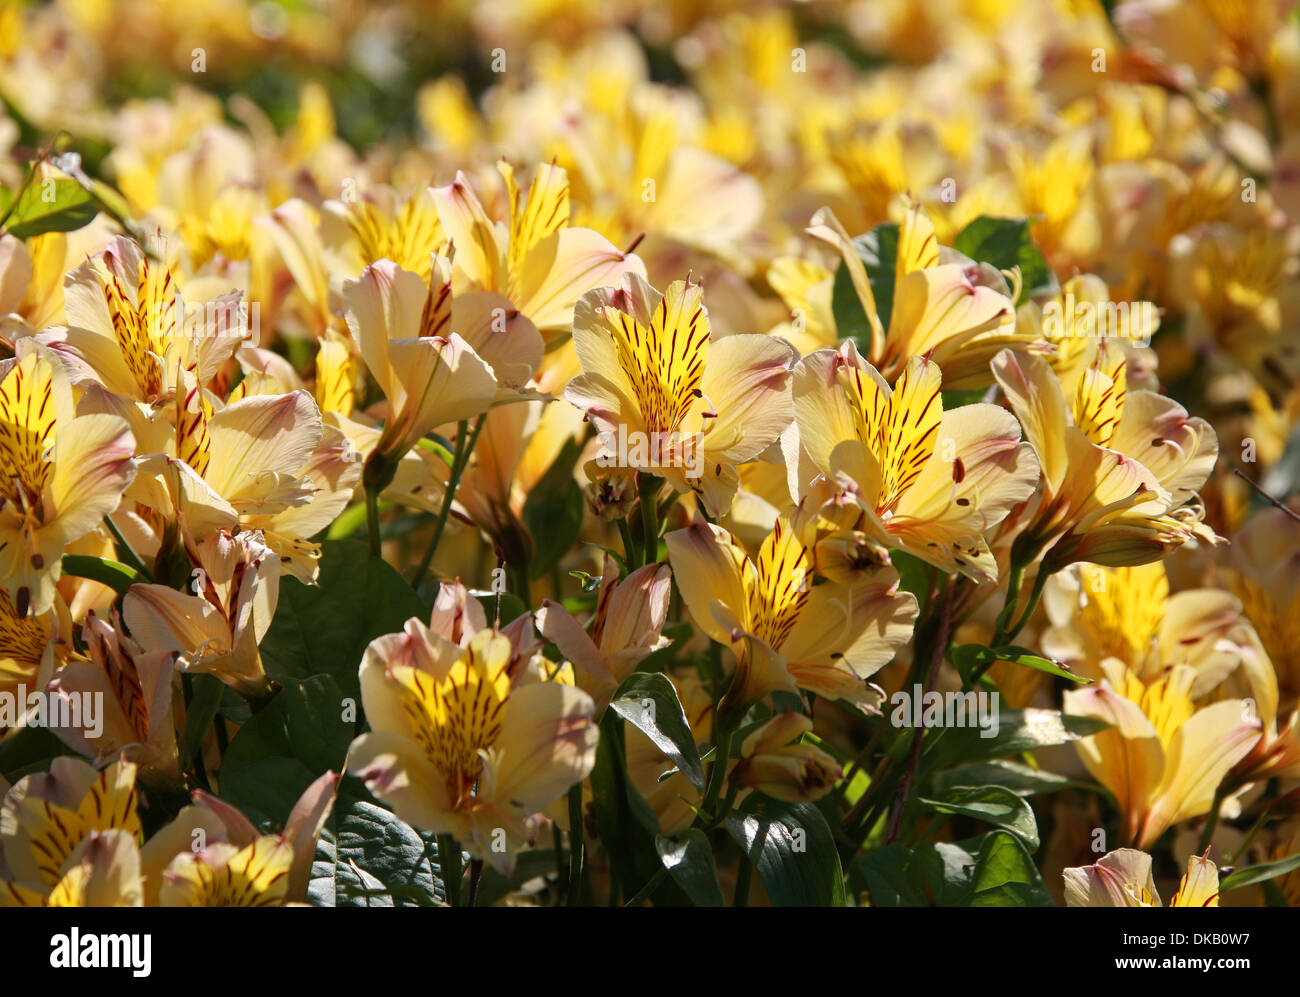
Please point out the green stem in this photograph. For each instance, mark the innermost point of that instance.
(449, 861)
(464, 448)
(718, 772)
(644, 893)
(1211, 821)
(650, 487)
(630, 552)
(126, 551)
(1008, 613)
(744, 874)
(575, 844)
(475, 872)
(372, 520)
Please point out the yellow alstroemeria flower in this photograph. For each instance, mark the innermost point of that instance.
(264, 462)
(60, 473)
(1128, 613)
(787, 632)
(102, 871)
(667, 397)
(1162, 758)
(134, 688)
(222, 875)
(959, 314)
(217, 629)
(380, 225)
(536, 260)
(1122, 878)
(931, 482)
(130, 329)
(45, 817)
(455, 747)
(1119, 467)
(438, 357)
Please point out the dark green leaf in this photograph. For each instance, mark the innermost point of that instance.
(1021, 779)
(1018, 731)
(792, 850)
(878, 250)
(298, 736)
(205, 698)
(689, 860)
(1004, 243)
(367, 857)
(324, 629)
(649, 702)
(995, 805)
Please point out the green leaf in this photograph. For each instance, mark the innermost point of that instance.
(297, 737)
(1005, 875)
(878, 250)
(117, 576)
(934, 875)
(367, 857)
(649, 702)
(1021, 779)
(914, 575)
(1018, 731)
(51, 205)
(995, 805)
(689, 860)
(1004, 243)
(323, 629)
(205, 699)
(28, 750)
(968, 657)
(553, 512)
(792, 850)
(1261, 873)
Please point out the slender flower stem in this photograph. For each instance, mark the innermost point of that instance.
(718, 772)
(449, 860)
(1211, 820)
(372, 520)
(650, 487)
(464, 448)
(1003, 625)
(629, 546)
(651, 885)
(914, 758)
(744, 874)
(575, 844)
(475, 872)
(127, 552)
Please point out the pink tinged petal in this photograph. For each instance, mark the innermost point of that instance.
(443, 381)
(302, 829)
(499, 333)
(547, 743)
(558, 626)
(273, 434)
(240, 831)
(747, 383)
(637, 609)
(395, 769)
(479, 243)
